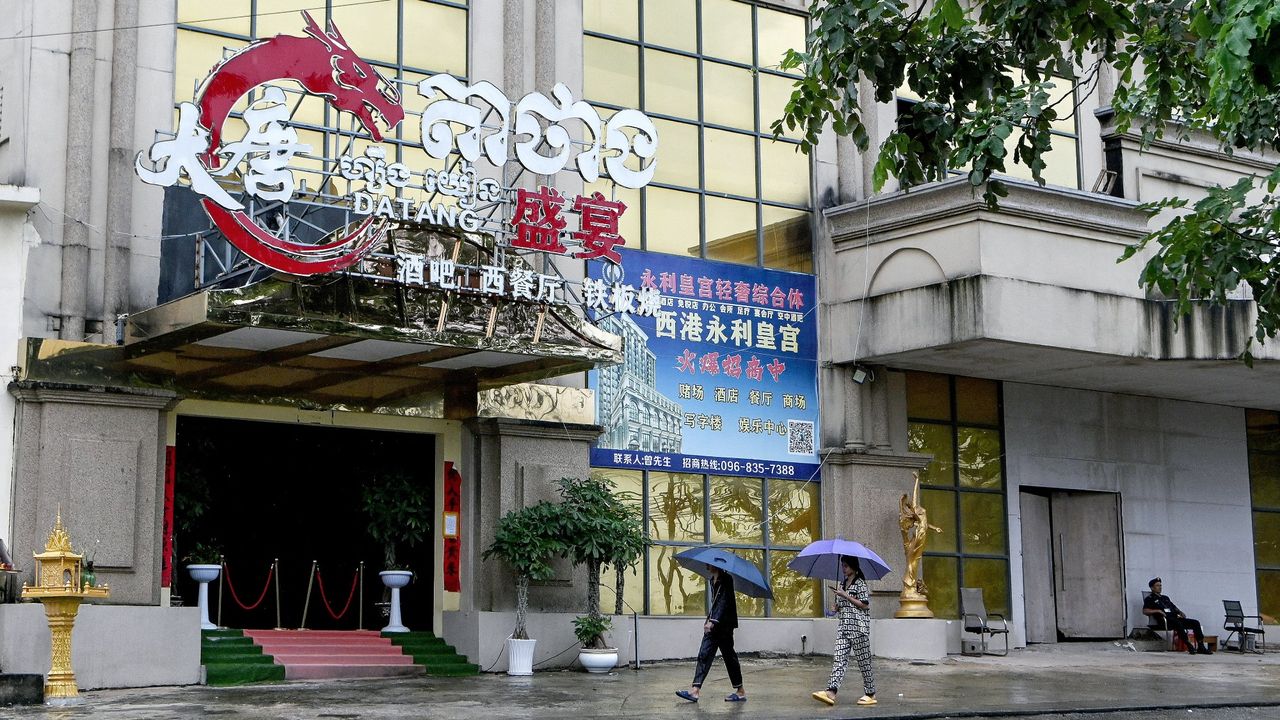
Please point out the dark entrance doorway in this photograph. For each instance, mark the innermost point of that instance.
(264, 490)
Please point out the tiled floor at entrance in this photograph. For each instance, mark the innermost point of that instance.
(322, 654)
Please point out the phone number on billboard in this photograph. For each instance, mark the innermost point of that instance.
(740, 466)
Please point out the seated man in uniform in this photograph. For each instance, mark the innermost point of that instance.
(1174, 619)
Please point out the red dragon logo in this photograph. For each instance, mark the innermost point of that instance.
(324, 65)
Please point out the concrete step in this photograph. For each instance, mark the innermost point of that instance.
(329, 649)
(287, 659)
(312, 634)
(320, 671)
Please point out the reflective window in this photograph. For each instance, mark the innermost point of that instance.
(1263, 432)
(764, 520)
(713, 97)
(957, 421)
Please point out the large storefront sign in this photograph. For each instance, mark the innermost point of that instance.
(720, 374)
(374, 189)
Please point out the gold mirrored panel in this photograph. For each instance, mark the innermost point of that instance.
(728, 96)
(611, 72)
(731, 231)
(672, 589)
(737, 514)
(788, 242)
(612, 17)
(673, 222)
(794, 595)
(933, 439)
(982, 520)
(671, 23)
(794, 512)
(675, 507)
(670, 84)
(731, 162)
(941, 578)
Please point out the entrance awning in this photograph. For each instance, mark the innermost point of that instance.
(334, 342)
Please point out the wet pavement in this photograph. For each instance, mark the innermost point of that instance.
(1050, 680)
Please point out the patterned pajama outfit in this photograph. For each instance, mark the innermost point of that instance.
(853, 634)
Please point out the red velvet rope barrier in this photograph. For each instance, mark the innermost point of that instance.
(226, 569)
(320, 581)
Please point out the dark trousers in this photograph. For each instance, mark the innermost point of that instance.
(1182, 625)
(721, 640)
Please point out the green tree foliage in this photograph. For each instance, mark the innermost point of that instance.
(983, 71)
(398, 505)
(527, 540)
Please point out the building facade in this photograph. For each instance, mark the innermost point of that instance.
(1072, 437)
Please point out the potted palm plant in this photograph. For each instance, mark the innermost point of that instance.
(527, 540)
(597, 529)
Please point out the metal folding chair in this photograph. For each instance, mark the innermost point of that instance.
(1235, 625)
(979, 622)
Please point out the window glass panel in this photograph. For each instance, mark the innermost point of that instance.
(976, 401)
(793, 512)
(435, 37)
(628, 485)
(675, 507)
(197, 54)
(611, 17)
(784, 173)
(1060, 166)
(978, 456)
(629, 221)
(1269, 592)
(1264, 479)
(1266, 539)
(728, 96)
(941, 507)
(934, 440)
(284, 17)
(672, 589)
(671, 23)
(726, 30)
(794, 595)
(371, 29)
(632, 590)
(611, 72)
(787, 242)
(993, 577)
(928, 396)
(731, 231)
(227, 16)
(779, 32)
(736, 513)
(309, 168)
(941, 582)
(982, 523)
(731, 162)
(1264, 430)
(308, 109)
(774, 93)
(749, 606)
(673, 224)
(670, 84)
(678, 164)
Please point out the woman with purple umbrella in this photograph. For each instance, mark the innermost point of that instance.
(853, 633)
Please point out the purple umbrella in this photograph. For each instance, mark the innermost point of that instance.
(821, 559)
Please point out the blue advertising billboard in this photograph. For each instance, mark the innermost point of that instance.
(720, 372)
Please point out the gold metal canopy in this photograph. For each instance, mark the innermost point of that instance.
(343, 342)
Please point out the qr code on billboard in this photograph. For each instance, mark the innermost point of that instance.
(800, 437)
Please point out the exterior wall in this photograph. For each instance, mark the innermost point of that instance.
(17, 236)
(1182, 474)
(110, 646)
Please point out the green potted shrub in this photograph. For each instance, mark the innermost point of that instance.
(398, 506)
(597, 529)
(527, 540)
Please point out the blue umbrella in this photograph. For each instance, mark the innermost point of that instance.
(821, 559)
(746, 576)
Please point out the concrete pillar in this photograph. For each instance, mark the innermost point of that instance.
(124, 81)
(77, 197)
(98, 456)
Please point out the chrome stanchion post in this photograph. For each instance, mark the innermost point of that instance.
(360, 613)
(307, 603)
(222, 577)
(275, 572)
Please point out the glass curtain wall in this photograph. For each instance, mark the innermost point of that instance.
(958, 421)
(388, 34)
(764, 520)
(1264, 483)
(707, 72)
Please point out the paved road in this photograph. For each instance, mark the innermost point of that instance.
(1101, 680)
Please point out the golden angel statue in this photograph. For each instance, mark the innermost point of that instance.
(913, 520)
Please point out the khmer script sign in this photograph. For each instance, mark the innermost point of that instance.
(470, 124)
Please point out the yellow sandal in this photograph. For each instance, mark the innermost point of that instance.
(867, 700)
(825, 697)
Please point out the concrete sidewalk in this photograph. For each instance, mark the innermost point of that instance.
(1042, 679)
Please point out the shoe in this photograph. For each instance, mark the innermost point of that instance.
(825, 697)
(867, 700)
(1204, 650)
(1191, 651)
(735, 697)
(685, 694)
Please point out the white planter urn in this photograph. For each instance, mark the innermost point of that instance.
(598, 660)
(520, 656)
(395, 579)
(204, 574)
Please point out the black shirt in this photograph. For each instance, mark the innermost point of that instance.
(1161, 603)
(724, 606)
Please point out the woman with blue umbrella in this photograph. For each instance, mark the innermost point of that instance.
(851, 563)
(722, 568)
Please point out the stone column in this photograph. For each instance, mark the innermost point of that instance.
(98, 455)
